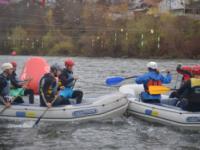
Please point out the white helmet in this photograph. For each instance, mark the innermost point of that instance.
(6, 66)
(152, 65)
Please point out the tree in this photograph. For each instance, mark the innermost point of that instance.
(18, 37)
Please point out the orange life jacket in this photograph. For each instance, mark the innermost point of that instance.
(151, 82)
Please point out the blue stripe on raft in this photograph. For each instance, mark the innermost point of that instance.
(20, 114)
(148, 112)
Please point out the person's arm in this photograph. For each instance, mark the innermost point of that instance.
(14, 81)
(64, 79)
(166, 79)
(2, 85)
(46, 85)
(141, 79)
(3, 97)
(185, 86)
(5, 101)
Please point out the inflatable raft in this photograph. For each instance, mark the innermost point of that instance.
(163, 112)
(103, 107)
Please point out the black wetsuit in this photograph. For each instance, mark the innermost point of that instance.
(189, 95)
(48, 89)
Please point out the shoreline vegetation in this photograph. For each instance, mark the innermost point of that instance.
(96, 30)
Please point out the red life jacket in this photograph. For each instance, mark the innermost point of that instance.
(151, 82)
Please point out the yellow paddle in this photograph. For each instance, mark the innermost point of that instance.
(159, 89)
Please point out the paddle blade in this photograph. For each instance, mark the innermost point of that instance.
(158, 89)
(114, 80)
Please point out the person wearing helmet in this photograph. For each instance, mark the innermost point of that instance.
(189, 92)
(185, 72)
(68, 80)
(153, 77)
(7, 70)
(18, 87)
(48, 88)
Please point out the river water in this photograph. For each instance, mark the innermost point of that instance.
(124, 133)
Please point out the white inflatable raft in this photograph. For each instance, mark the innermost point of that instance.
(162, 113)
(103, 107)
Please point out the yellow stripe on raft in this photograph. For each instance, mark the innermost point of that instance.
(30, 114)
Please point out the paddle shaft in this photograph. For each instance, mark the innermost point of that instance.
(38, 120)
(176, 81)
(130, 77)
(23, 81)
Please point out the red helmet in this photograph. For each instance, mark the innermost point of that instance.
(14, 64)
(196, 70)
(69, 62)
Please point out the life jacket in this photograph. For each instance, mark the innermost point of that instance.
(193, 95)
(151, 82)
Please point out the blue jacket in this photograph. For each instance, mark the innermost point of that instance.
(152, 75)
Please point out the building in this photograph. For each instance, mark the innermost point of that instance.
(180, 7)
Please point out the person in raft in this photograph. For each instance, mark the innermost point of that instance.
(187, 73)
(5, 98)
(189, 93)
(68, 80)
(152, 78)
(18, 87)
(48, 89)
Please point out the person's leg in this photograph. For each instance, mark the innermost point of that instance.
(18, 100)
(183, 103)
(78, 95)
(61, 101)
(174, 94)
(31, 95)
